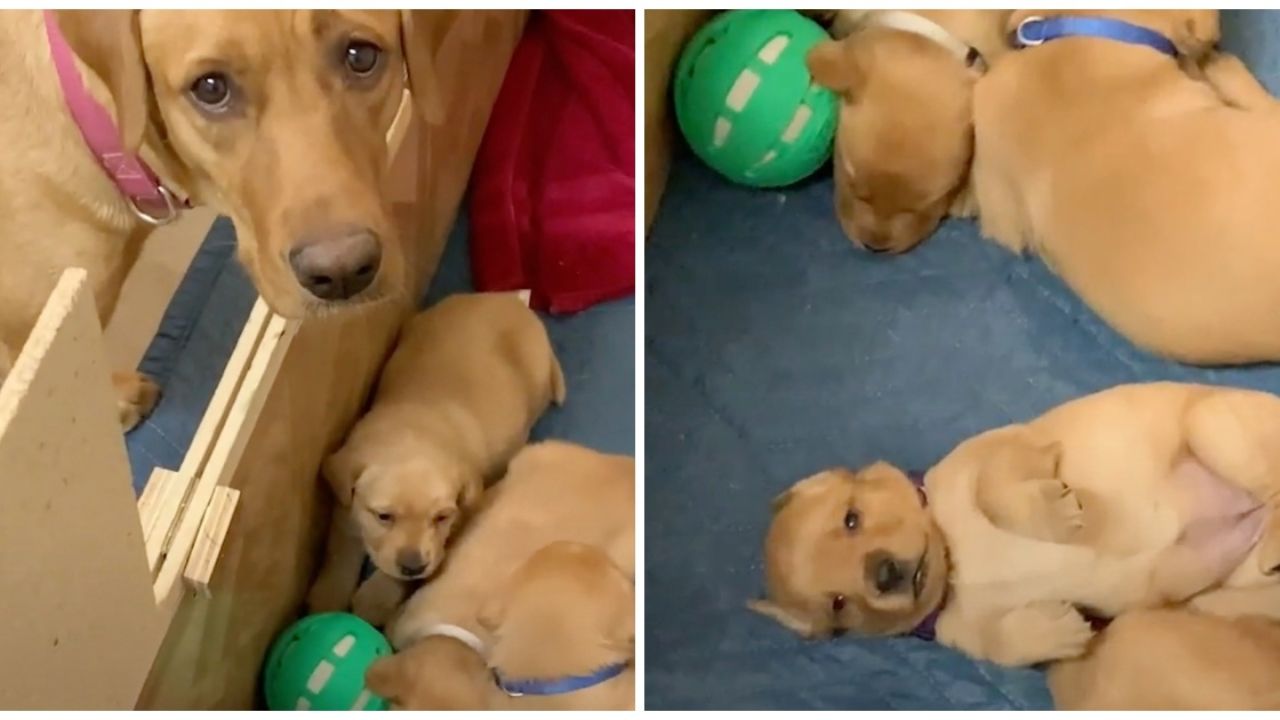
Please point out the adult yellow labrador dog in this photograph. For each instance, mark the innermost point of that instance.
(117, 119)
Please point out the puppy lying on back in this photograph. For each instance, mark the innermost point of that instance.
(456, 400)
(563, 634)
(905, 136)
(1133, 497)
(1150, 192)
(1174, 660)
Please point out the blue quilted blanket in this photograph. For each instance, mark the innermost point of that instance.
(774, 349)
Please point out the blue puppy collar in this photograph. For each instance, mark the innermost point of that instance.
(1037, 31)
(559, 686)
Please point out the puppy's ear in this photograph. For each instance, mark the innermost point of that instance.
(342, 470)
(833, 66)
(385, 678)
(418, 42)
(789, 620)
(1196, 34)
(109, 42)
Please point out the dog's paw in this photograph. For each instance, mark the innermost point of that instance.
(136, 396)
(377, 599)
(1061, 511)
(1044, 631)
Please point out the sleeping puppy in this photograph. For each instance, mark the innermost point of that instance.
(468, 379)
(1132, 497)
(553, 491)
(1171, 659)
(1150, 192)
(566, 613)
(905, 136)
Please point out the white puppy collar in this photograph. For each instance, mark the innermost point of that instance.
(457, 632)
(924, 27)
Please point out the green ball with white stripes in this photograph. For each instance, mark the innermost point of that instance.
(319, 663)
(746, 103)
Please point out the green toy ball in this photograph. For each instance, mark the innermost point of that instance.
(746, 103)
(319, 664)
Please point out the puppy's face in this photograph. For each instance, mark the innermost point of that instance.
(407, 508)
(853, 551)
(435, 673)
(279, 120)
(567, 603)
(905, 136)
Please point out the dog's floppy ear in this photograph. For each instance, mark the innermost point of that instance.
(424, 84)
(789, 620)
(109, 42)
(342, 470)
(833, 65)
(385, 677)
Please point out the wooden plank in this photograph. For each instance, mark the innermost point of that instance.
(78, 621)
(159, 507)
(225, 455)
(213, 532)
(215, 647)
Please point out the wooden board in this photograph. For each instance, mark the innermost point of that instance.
(78, 621)
(665, 33)
(216, 644)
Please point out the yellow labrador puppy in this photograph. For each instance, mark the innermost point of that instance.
(1132, 497)
(468, 379)
(553, 491)
(563, 634)
(1173, 659)
(116, 119)
(1152, 193)
(905, 138)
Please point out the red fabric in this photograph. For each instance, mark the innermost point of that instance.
(552, 205)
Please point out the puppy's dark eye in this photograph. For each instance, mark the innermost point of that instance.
(385, 518)
(442, 518)
(837, 603)
(852, 520)
(211, 91)
(362, 57)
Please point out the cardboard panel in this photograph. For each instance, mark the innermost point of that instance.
(77, 614)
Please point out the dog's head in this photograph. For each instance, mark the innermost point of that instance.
(904, 141)
(854, 551)
(568, 604)
(435, 673)
(279, 120)
(407, 502)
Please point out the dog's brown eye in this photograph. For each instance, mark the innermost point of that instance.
(212, 91)
(385, 518)
(362, 57)
(837, 603)
(851, 520)
(443, 518)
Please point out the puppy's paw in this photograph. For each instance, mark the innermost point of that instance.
(1043, 631)
(136, 397)
(1060, 509)
(377, 599)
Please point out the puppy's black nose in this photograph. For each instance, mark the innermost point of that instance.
(337, 264)
(889, 575)
(411, 563)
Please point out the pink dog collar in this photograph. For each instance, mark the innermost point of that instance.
(151, 201)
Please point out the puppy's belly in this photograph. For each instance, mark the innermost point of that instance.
(1223, 522)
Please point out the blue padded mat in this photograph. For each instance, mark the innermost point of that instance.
(204, 320)
(774, 349)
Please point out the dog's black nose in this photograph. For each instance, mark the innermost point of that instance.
(411, 563)
(889, 575)
(337, 264)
